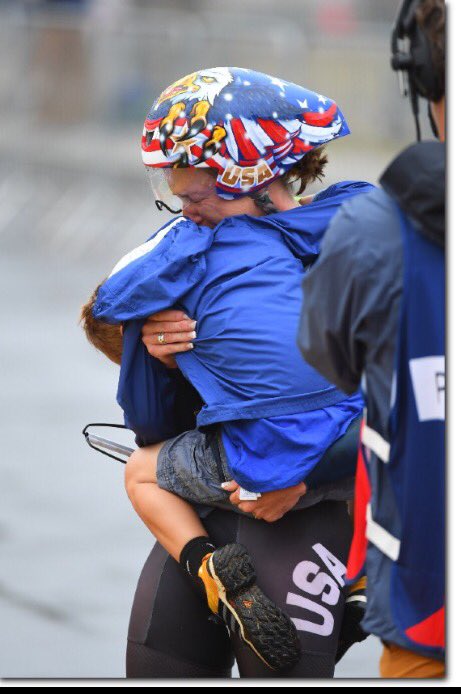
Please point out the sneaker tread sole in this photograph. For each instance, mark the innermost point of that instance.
(263, 626)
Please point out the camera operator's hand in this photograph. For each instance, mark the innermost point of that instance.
(167, 333)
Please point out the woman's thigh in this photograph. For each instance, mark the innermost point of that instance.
(299, 561)
(170, 632)
(300, 564)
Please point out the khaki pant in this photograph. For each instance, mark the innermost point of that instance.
(397, 662)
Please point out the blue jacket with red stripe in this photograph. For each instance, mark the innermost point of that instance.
(389, 330)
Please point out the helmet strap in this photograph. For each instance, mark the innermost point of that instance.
(263, 201)
(160, 205)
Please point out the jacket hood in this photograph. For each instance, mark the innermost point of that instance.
(303, 227)
(416, 181)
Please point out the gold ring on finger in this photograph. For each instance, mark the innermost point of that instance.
(161, 338)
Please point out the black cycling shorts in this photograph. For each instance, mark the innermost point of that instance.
(299, 562)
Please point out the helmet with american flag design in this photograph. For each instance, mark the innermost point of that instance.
(249, 127)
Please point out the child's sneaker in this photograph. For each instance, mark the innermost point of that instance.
(229, 579)
(354, 612)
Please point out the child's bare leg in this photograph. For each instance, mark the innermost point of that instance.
(225, 576)
(171, 519)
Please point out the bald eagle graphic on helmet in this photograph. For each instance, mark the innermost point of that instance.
(196, 91)
(198, 86)
(249, 127)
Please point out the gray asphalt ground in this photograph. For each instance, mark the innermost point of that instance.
(71, 546)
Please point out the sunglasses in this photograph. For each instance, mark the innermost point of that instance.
(104, 445)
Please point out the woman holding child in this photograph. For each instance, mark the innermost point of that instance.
(228, 143)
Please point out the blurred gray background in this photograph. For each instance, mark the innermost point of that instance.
(76, 79)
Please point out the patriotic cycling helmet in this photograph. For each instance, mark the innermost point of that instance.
(249, 127)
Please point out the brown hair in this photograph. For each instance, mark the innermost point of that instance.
(107, 338)
(430, 16)
(307, 169)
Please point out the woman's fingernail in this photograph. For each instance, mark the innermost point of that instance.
(194, 323)
(193, 335)
(191, 346)
(225, 485)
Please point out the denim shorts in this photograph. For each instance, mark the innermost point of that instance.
(193, 465)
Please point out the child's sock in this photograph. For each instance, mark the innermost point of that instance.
(192, 556)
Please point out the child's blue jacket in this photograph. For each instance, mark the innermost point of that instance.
(241, 281)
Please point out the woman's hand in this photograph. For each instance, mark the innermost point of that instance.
(176, 332)
(270, 506)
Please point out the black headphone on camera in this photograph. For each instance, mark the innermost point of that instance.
(412, 58)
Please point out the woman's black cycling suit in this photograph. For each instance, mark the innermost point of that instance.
(298, 562)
